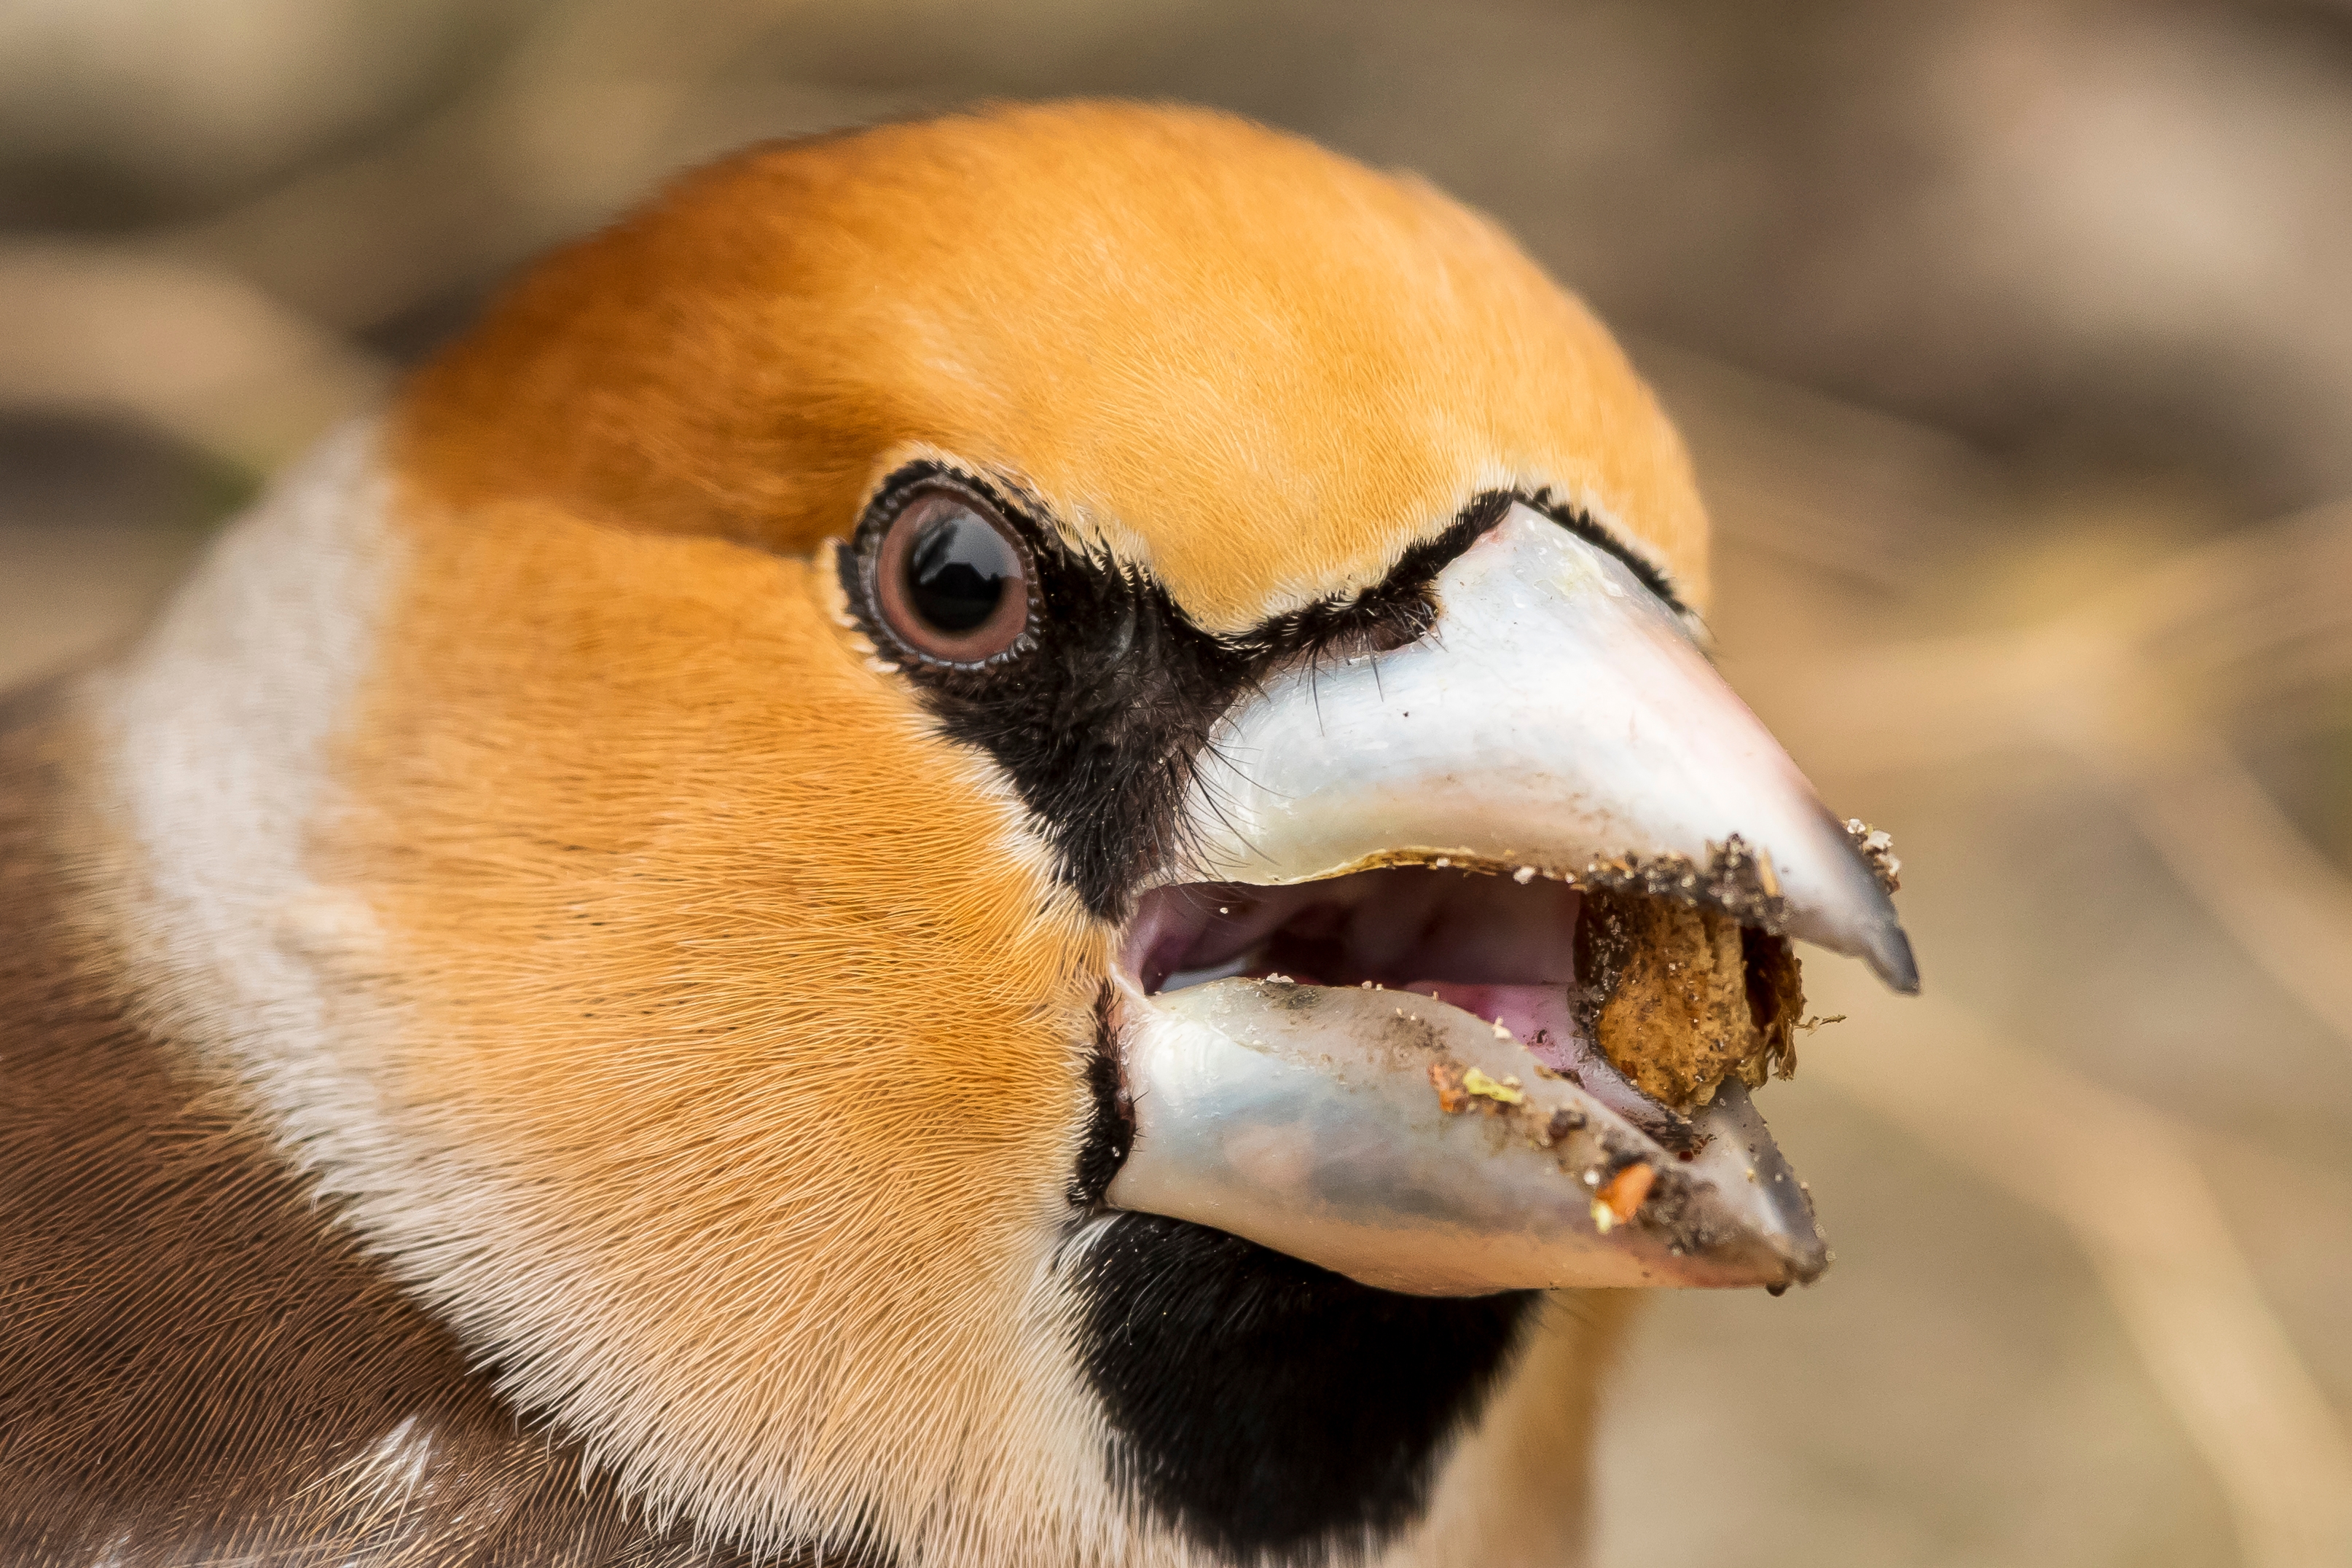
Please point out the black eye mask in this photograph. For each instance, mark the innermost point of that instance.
(1098, 710)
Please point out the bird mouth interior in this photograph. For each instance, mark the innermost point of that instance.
(1503, 948)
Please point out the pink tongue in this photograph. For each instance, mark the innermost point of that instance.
(1537, 1014)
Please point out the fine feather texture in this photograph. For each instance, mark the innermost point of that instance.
(752, 1021)
(1252, 366)
(202, 1366)
(692, 1030)
(511, 823)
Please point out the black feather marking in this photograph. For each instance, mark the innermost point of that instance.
(1110, 1126)
(1096, 716)
(1101, 713)
(1271, 1410)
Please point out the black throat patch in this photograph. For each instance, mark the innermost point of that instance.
(1272, 1410)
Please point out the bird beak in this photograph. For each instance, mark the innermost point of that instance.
(1556, 732)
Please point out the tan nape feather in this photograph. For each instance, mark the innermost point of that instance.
(1257, 367)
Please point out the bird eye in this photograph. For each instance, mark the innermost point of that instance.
(949, 581)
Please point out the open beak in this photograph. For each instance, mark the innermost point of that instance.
(1351, 1026)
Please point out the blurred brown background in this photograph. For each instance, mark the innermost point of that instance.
(2015, 344)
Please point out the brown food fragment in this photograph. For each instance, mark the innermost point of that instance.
(1680, 998)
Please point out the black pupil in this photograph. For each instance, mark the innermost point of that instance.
(957, 571)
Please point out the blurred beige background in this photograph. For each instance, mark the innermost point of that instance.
(2015, 344)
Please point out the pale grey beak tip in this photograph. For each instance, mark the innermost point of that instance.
(1888, 953)
(1809, 1260)
(1780, 1241)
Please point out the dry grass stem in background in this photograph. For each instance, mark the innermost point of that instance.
(2117, 686)
(2121, 1180)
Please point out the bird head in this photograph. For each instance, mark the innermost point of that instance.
(950, 788)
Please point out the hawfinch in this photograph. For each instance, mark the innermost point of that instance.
(997, 842)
